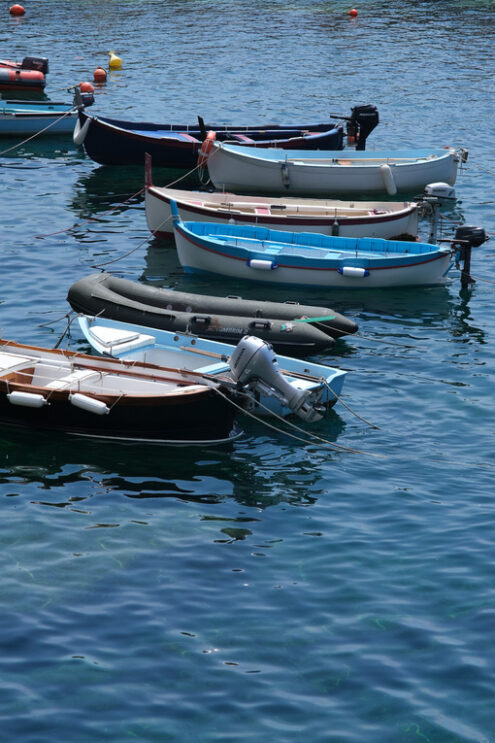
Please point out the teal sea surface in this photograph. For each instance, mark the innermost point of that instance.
(272, 589)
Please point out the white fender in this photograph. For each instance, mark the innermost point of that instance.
(80, 131)
(261, 265)
(27, 399)
(388, 179)
(354, 272)
(91, 404)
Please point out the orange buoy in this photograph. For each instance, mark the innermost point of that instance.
(206, 149)
(17, 10)
(353, 12)
(100, 75)
(86, 88)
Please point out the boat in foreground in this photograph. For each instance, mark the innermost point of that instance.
(290, 327)
(68, 392)
(345, 218)
(315, 173)
(150, 345)
(110, 141)
(307, 259)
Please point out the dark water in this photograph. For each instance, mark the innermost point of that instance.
(273, 590)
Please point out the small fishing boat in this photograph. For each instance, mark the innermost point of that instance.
(28, 75)
(150, 345)
(288, 326)
(345, 218)
(68, 392)
(111, 141)
(321, 173)
(24, 118)
(307, 259)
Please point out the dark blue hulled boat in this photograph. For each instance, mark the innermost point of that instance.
(117, 142)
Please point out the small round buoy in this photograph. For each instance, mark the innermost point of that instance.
(86, 88)
(100, 75)
(353, 12)
(17, 10)
(115, 62)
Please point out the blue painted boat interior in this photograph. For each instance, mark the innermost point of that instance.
(276, 241)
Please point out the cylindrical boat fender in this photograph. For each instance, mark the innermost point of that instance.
(284, 170)
(205, 150)
(27, 399)
(388, 179)
(261, 265)
(354, 272)
(91, 404)
(80, 131)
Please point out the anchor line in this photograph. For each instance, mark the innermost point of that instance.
(33, 136)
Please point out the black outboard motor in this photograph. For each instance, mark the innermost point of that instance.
(361, 123)
(467, 237)
(39, 64)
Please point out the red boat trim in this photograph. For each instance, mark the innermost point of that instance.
(261, 218)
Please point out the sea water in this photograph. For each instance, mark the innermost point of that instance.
(273, 589)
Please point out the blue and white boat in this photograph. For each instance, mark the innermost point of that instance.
(25, 118)
(328, 172)
(301, 387)
(307, 259)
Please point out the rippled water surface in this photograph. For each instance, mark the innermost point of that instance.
(273, 590)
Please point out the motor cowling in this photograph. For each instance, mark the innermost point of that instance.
(361, 123)
(475, 236)
(40, 64)
(255, 369)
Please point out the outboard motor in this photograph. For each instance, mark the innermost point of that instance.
(39, 64)
(444, 192)
(474, 236)
(82, 99)
(361, 123)
(467, 237)
(254, 368)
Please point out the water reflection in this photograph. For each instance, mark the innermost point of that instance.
(72, 472)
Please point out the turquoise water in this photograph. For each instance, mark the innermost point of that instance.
(273, 589)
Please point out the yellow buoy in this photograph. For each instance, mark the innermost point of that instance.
(115, 62)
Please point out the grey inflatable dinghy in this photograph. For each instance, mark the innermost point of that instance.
(288, 326)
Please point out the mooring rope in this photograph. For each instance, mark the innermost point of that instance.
(325, 445)
(480, 278)
(33, 136)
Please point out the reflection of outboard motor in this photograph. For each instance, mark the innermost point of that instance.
(255, 368)
(467, 237)
(39, 64)
(361, 123)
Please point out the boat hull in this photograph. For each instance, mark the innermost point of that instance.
(194, 414)
(17, 121)
(302, 264)
(326, 173)
(347, 219)
(118, 142)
